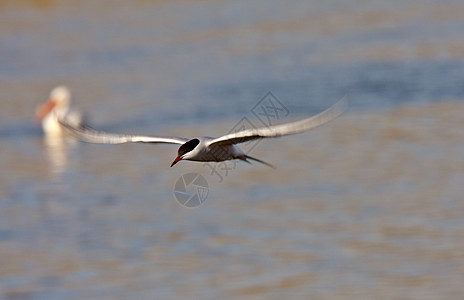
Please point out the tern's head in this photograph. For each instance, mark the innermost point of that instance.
(186, 150)
(59, 102)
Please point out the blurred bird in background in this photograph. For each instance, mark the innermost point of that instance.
(57, 108)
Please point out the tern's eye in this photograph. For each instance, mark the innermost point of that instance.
(188, 146)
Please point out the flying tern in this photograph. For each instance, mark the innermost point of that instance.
(57, 109)
(209, 149)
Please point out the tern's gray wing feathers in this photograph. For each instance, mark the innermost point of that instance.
(90, 135)
(284, 129)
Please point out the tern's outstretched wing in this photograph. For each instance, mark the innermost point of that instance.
(284, 129)
(90, 135)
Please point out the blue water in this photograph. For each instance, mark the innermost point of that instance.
(368, 205)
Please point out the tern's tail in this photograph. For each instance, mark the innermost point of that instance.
(258, 160)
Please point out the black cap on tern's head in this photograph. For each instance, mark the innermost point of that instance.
(185, 148)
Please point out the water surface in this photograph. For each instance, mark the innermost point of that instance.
(369, 205)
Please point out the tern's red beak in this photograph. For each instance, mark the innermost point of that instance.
(179, 158)
(45, 109)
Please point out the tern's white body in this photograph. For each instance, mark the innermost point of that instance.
(207, 151)
(58, 108)
(208, 148)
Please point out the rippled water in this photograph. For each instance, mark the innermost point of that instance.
(369, 205)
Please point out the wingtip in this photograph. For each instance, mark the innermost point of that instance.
(342, 104)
